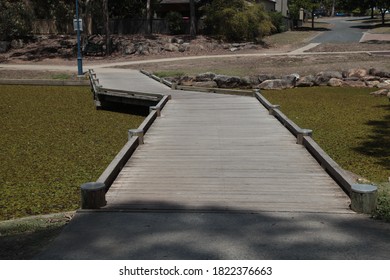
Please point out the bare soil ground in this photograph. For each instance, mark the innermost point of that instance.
(279, 65)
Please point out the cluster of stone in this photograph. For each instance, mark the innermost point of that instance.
(371, 78)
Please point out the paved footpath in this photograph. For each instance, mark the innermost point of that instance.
(180, 224)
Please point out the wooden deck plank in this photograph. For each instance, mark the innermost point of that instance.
(210, 151)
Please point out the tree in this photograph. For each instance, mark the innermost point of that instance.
(192, 18)
(15, 20)
(383, 6)
(149, 17)
(107, 26)
(237, 20)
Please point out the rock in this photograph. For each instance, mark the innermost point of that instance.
(372, 83)
(18, 44)
(204, 77)
(130, 49)
(180, 41)
(224, 81)
(307, 81)
(253, 80)
(351, 79)
(371, 78)
(379, 73)
(4, 46)
(171, 48)
(264, 77)
(323, 78)
(381, 92)
(334, 82)
(383, 85)
(234, 49)
(357, 73)
(182, 48)
(186, 81)
(206, 84)
(354, 84)
(245, 82)
(274, 84)
(291, 79)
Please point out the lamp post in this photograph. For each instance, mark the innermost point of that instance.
(79, 57)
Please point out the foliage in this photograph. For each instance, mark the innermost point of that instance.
(237, 20)
(383, 208)
(15, 20)
(51, 141)
(278, 21)
(175, 22)
(295, 5)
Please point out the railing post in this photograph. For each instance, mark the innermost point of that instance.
(302, 133)
(155, 108)
(93, 195)
(137, 132)
(272, 109)
(364, 198)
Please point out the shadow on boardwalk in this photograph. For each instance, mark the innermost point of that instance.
(220, 235)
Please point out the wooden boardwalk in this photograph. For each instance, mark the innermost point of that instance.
(211, 152)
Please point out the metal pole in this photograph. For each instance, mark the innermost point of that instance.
(79, 57)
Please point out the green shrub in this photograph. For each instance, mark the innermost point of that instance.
(278, 21)
(175, 22)
(237, 20)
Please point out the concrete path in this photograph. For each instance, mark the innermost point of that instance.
(228, 230)
(342, 30)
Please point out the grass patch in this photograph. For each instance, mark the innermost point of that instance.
(52, 139)
(290, 37)
(24, 238)
(350, 125)
(61, 76)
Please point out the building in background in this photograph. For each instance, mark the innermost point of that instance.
(282, 6)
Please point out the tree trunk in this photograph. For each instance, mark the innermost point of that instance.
(107, 26)
(148, 17)
(333, 8)
(192, 18)
(372, 12)
(383, 13)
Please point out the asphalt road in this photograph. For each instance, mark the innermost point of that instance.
(342, 30)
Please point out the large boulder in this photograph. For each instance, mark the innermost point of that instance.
(224, 81)
(354, 83)
(275, 84)
(291, 79)
(322, 78)
(383, 85)
(206, 84)
(379, 73)
(253, 80)
(265, 77)
(372, 83)
(186, 81)
(203, 77)
(357, 73)
(306, 81)
(171, 47)
(334, 82)
(381, 92)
